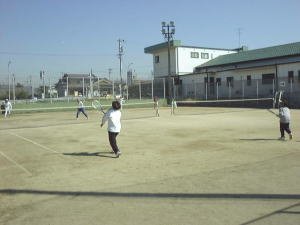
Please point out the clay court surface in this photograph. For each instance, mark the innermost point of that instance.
(205, 166)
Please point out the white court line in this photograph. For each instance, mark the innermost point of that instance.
(17, 164)
(35, 143)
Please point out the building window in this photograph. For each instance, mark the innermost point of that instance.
(298, 75)
(204, 55)
(229, 81)
(205, 80)
(218, 81)
(291, 76)
(194, 54)
(156, 59)
(267, 78)
(248, 80)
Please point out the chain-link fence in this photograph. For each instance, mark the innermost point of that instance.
(182, 90)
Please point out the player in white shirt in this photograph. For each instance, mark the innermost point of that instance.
(285, 119)
(173, 106)
(113, 116)
(156, 106)
(80, 109)
(8, 107)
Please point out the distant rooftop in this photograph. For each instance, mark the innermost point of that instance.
(177, 43)
(292, 49)
(72, 75)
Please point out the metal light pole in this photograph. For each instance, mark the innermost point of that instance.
(14, 88)
(129, 72)
(113, 82)
(9, 62)
(121, 53)
(168, 30)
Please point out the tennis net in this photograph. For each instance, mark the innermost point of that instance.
(237, 103)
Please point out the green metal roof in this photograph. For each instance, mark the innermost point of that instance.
(153, 48)
(253, 55)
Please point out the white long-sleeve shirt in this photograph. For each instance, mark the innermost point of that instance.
(284, 115)
(8, 106)
(114, 120)
(80, 105)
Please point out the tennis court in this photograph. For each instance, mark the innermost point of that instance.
(201, 166)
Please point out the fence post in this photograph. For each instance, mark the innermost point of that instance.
(291, 85)
(99, 88)
(256, 89)
(83, 87)
(217, 90)
(243, 89)
(152, 87)
(206, 91)
(140, 89)
(164, 82)
(68, 88)
(229, 89)
(273, 87)
(195, 90)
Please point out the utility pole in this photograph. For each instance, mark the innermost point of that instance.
(120, 54)
(14, 88)
(32, 88)
(239, 34)
(42, 76)
(91, 85)
(168, 30)
(113, 81)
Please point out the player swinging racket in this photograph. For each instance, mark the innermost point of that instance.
(285, 118)
(80, 109)
(113, 116)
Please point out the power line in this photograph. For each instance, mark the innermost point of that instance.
(52, 54)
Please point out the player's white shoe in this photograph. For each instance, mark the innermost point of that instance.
(281, 138)
(118, 154)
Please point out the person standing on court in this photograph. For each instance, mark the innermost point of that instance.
(113, 116)
(80, 109)
(156, 106)
(173, 106)
(285, 119)
(8, 107)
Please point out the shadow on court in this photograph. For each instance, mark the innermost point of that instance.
(153, 195)
(286, 210)
(97, 154)
(259, 139)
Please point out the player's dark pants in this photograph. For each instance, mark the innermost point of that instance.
(81, 110)
(284, 127)
(113, 142)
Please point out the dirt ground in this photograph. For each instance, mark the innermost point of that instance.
(207, 166)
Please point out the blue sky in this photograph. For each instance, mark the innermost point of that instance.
(73, 36)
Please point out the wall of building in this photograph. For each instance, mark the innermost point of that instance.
(161, 69)
(194, 86)
(186, 63)
(181, 60)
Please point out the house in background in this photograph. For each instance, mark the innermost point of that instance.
(85, 85)
(75, 84)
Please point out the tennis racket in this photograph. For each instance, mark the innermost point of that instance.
(271, 111)
(97, 105)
